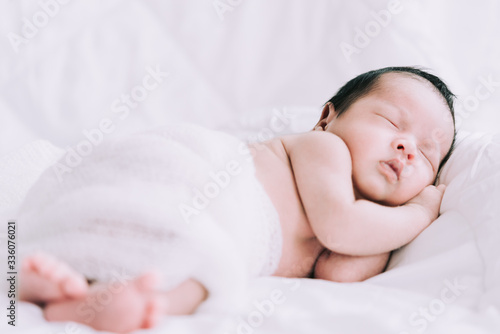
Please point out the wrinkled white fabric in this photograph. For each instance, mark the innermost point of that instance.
(182, 200)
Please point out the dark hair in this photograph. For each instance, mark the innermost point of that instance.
(363, 84)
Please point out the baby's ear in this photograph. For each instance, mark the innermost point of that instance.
(326, 115)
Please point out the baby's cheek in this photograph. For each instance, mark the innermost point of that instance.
(408, 172)
(416, 184)
(419, 172)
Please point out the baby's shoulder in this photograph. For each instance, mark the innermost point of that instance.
(321, 143)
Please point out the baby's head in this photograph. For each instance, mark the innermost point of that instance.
(399, 126)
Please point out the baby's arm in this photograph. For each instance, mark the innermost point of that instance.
(321, 164)
(346, 268)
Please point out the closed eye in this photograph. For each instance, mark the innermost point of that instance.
(388, 120)
(393, 124)
(430, 152)
(427, 158)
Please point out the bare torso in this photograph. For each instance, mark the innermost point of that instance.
(300, 246)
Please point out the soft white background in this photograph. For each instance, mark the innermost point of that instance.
(261, 56)
(232, 72)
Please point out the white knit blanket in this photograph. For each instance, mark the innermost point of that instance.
(182, 200)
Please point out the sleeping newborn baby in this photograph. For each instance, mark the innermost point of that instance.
(167, 221)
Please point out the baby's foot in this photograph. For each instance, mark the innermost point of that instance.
(45, 279)
(120, 309)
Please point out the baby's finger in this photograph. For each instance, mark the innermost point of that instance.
(441, 188)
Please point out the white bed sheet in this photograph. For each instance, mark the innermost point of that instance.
(235, 71)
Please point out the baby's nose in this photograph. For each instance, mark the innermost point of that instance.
(407, 149)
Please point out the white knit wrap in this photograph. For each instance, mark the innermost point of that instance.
(180, 199)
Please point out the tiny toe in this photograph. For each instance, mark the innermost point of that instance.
(153, 312)
(49, 279)
(32, 262)
(44, 265)
(56, 273)
(26, 264)
(75, 287)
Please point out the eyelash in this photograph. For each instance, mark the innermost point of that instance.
(388, 120)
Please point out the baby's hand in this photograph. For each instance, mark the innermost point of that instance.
(429, 201)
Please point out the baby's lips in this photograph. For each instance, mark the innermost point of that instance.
(396, 165)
